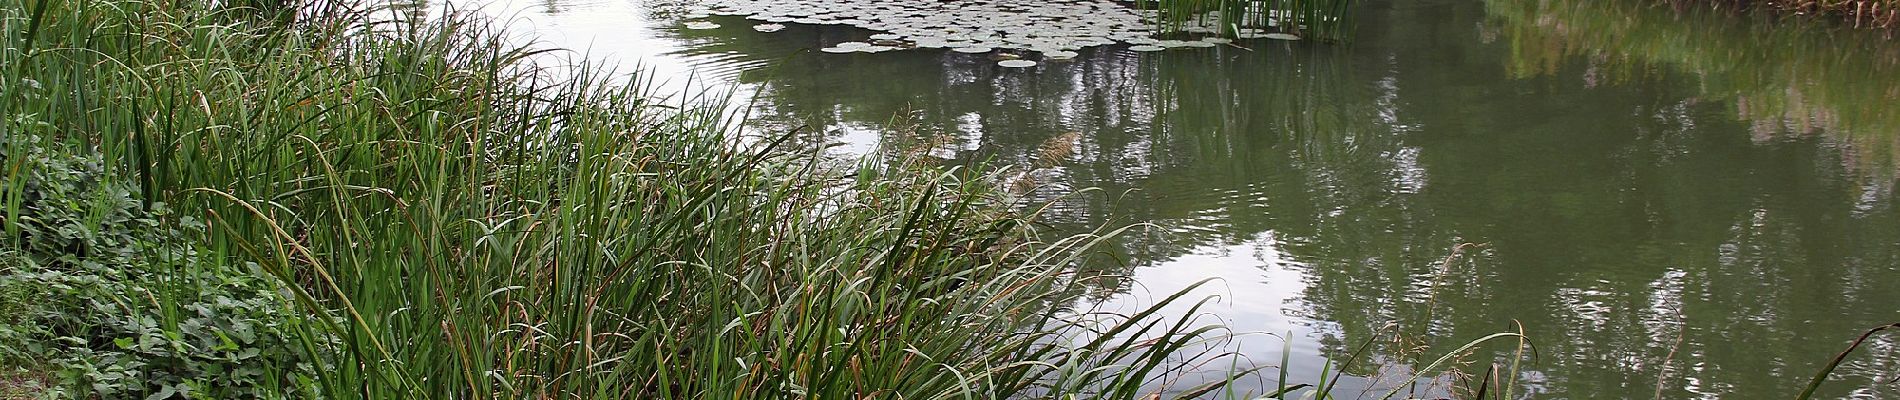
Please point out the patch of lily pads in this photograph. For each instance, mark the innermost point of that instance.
(1056, 29)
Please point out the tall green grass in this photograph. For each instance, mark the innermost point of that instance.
(458, 216)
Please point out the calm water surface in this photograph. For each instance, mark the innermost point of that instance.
(1629, 184)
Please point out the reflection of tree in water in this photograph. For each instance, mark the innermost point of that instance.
(1617, 216)
(1800, 78)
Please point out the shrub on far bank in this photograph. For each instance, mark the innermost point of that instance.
(1873, 14)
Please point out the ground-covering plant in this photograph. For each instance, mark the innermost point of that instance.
(111, 295)
(443, 213)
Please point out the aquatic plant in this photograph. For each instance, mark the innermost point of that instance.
(1807, 392)
(1047, 27)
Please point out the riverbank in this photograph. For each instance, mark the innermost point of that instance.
(1870, 14)
(280, 201)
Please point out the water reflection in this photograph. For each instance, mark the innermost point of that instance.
(1803, 79)
(1628, 197)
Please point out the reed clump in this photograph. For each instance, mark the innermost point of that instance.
(399, 207)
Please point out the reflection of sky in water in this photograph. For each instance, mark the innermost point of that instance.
(612, 30)
(619, 34)
(1255, 283)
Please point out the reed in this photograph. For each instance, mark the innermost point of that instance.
(1807, 392)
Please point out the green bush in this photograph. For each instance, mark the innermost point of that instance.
(108, 293)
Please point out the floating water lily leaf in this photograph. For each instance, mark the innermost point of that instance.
(1147, 47)
(768, 28)
(1016, 63)
(1281, 36)
(981, 26)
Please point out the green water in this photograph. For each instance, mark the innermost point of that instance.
(1634, 185)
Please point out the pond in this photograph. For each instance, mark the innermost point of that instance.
(1683, 201)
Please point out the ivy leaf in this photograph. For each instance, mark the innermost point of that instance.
(164, 392)
(224, 342)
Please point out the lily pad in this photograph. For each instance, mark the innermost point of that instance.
(1059, 55)
(976, 26)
